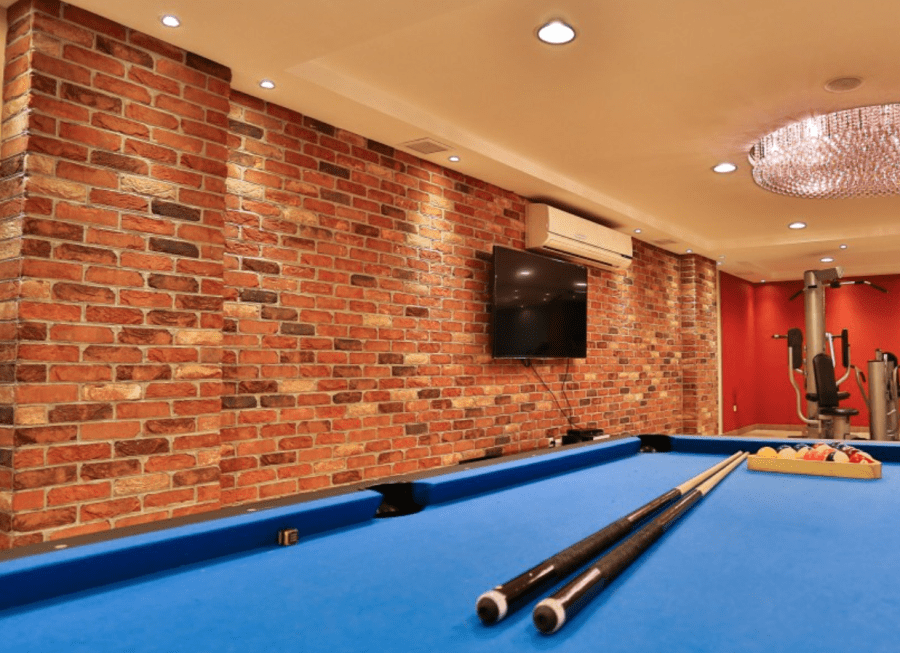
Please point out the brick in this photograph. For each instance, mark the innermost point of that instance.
(44, 477)
(176, 283)
(112, 315)
(52, 228)
(90, 98)
(122, 88)
(176, 247)
(162, 499)
(150, 151)
(112, 392)
(126, 201)
(80, 413)
(108, 509)
(141, 447)
(121, 126)
(75, 292)
(98, 471)
(170, 426)
(140, 484)
(65, 333)
(90, 214)
(36, 521)
(97, 353)
(173, 210)
(77, 493)
(119, 50)
(92, 137)
(170, 462)
(57, 455)
(84, 373)
(145, 336)
(44, 434)
(119, 162)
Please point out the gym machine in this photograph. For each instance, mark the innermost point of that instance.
(881, 400)
(824, 417)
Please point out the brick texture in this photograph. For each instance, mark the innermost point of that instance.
(207, 299)
(114, 350)
(699, 331)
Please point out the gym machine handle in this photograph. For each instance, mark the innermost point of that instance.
(795, 353)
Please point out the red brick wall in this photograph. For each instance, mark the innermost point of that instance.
(120, 307)
(219, 300)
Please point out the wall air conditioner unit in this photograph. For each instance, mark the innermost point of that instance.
(557, 232)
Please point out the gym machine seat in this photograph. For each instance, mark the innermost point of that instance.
(828, 397)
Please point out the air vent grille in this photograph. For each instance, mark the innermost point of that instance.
(425, 146)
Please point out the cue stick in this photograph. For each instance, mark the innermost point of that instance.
(495, 604)
(551, 613)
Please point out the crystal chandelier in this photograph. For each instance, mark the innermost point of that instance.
(849, 153)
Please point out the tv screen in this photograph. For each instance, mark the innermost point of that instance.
(539, 306)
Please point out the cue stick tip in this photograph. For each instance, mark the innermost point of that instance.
(491, 607)
(549, 616)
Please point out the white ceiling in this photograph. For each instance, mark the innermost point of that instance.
(622, 125)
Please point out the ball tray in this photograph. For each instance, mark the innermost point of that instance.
(867, 471)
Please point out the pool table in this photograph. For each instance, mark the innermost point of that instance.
(766, 562)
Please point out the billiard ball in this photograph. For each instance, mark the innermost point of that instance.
(787, 451)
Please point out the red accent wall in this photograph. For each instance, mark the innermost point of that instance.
(754, 366)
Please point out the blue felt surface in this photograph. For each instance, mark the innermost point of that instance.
(764, 563)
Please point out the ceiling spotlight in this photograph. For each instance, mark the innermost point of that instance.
(689, 251)
(637, 231)
(453, 158)
(843, 84)
(827, 259)
(724, 167)
(843, 246)
(797, 225)
(267, 84)
(170, 21)
(556, 32)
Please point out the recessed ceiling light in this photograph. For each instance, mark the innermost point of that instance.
(689, 251)
(827, 259)
(843, 246)
(170, 21)
(724, 167)
(762, 280)
(843, 84)
(556, 32)
(267, 83)
(637, 231)
(453, 158)
(797, 225)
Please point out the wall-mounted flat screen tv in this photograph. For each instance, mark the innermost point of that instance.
(539, 306)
